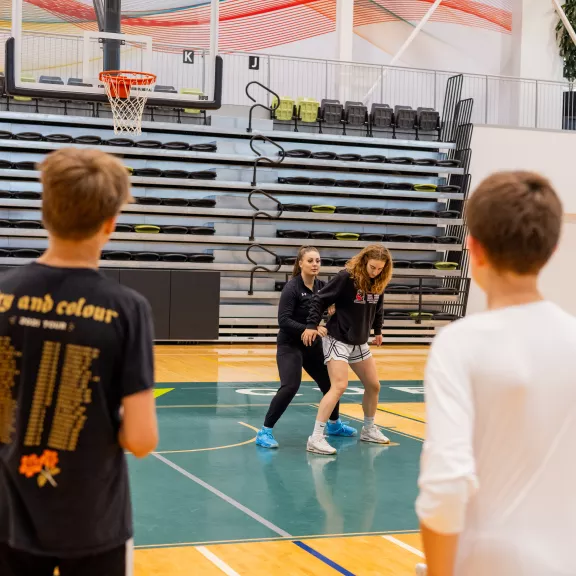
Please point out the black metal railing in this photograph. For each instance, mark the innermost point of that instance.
(432, 301)
(262, 213)
(261, 158)
(452, 97)
(260, 267)
(257, 104)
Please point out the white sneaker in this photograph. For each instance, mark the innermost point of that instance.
(318, 445)
(373, 434)
(421, 570)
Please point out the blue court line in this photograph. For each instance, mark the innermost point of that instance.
(323, 558)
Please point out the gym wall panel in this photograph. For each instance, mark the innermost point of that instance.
(194, 305)
(550, 153)
(111, 273)
(154, 285)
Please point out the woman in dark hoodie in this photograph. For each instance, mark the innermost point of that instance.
(292, 355)
(358, 294)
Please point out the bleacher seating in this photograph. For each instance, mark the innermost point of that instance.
(381, 120)
(194, 208)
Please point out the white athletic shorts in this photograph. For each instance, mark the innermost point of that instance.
(336, 350)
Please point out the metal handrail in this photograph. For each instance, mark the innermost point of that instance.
(261, 158)
(262, 213)
(259, 267)
(258, 105)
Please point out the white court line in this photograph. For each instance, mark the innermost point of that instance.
(216, 561)
(404, 545)
(224, 497)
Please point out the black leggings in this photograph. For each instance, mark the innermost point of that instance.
(291, 359)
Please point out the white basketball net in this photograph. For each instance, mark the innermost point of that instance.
(127, 112)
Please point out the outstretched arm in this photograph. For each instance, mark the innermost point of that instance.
(322, 300)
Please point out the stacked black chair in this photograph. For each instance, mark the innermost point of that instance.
(165, 89)
(381, 118)
(51, 80)
(78, 82)
(404, 119)
(330, 113)
(428, 120)
(355, 115)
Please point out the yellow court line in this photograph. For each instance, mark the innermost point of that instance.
(275, 539)
(230, 405)
(396, 413)
(390, 428)
(215, 447)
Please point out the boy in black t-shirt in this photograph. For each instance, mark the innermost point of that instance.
(76, 379)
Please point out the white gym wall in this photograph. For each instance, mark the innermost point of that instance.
(551, 153)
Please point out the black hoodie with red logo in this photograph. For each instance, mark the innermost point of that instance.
(356, 312)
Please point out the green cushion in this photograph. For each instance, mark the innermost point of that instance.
(446, 265)
(324, 209)
(425, 187)
(347, 236)
(147, 229)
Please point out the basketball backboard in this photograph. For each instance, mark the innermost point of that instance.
(68, 64)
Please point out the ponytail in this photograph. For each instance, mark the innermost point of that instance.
(296, 271)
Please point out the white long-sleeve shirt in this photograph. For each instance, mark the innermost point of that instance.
(499, 461)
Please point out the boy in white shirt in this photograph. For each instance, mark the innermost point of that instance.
(498, 473)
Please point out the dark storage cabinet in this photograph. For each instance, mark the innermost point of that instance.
(185, 303)
(194, 305)
(154, 285)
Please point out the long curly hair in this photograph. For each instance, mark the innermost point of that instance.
(301, 253)
(357, 268)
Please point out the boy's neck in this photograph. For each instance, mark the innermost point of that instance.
(505, 289)
(72, 253)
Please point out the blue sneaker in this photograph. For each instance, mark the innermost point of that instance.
(340, 428)
(265, 438)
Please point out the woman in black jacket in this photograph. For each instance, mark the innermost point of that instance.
(292, 355)
(358, 294)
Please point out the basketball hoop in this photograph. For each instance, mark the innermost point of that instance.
(127, 92)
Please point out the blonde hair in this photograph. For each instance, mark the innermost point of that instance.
(301, 253)
(81, 189)
(357, 268)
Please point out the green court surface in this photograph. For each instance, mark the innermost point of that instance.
(207, 460)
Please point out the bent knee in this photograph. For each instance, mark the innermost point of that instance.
(339, 386)
(373, 385)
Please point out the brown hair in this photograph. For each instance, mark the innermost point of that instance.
(81, 190)
(357, 268)
(516, 217)
(301, 253)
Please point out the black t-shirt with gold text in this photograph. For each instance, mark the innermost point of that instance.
(73, 343)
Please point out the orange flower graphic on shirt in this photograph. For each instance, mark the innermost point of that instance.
(45, 466)
(30, 465)
(50, 458)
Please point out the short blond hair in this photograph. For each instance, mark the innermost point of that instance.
(81, 190)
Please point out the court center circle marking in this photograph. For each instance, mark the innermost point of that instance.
(215, 447)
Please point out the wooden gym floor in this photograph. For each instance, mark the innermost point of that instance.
(210, 502)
